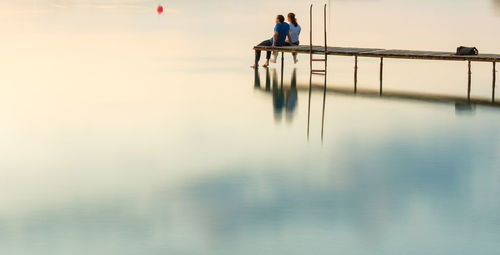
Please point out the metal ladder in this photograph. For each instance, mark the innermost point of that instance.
(317, 71)
(325, 50)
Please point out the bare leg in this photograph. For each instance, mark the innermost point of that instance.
(268, 56)
(266, 64)
(257, 58)
(258, 53)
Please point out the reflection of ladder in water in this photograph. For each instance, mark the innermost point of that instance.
(317, 71)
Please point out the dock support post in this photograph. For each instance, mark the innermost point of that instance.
(494, 81)
(355, 74)
(381, 73)
(469, 81)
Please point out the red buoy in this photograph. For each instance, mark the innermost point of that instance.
(159, 10)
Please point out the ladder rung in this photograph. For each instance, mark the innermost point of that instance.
(318, 59)
(318, 71)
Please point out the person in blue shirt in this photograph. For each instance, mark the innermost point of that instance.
(281, 31)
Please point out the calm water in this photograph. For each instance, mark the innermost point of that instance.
(125, 132)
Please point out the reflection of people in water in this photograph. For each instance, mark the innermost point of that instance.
(278, 97)
(283, 100)
(291, 97)
(257, 80)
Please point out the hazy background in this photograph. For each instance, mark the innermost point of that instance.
(126, 132)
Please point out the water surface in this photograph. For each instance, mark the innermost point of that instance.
(125, 132)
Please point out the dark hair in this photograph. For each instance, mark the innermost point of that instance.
(291, 15)
(281, 18)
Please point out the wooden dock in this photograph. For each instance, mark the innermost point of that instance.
(391, 53)
(384, 53)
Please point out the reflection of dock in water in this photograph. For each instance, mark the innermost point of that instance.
(402, 95)
(371, 93)
(285, 95)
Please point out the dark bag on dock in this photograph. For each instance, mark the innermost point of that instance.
(463, 51)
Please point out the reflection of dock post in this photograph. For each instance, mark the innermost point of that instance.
(282, 66)
(355, 74)
(268, 80)
(309, 106)
(494, 81)
(323, 115)
(381, 73)
(469, 81)
(256, 82)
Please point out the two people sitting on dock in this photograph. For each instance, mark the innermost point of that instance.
(293, 39)
(281, 32)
